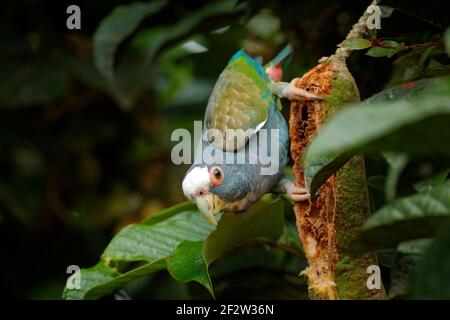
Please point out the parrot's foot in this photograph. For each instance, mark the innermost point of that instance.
(296, 194)
(293, 93)
(290, 91)
(286, 186)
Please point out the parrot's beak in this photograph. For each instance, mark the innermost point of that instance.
(209, 205)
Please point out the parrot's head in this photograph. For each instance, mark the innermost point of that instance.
(275, 73)
(212, 187)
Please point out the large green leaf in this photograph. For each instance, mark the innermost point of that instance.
(135, 71)
(263, 220)
(133, 78)
(90, 278)
(417, 127)
(407, 91)
(182, 240)
(188, 264)
(140, 242)
(431, 277)
(412, 217)
(157, 38)
(102, 279)
(112, 31)
(149, 243)
(115, 28)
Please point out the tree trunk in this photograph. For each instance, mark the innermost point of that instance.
(331, 220)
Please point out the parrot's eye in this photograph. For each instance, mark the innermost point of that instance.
(216, 175)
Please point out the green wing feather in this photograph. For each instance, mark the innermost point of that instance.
(240, 100)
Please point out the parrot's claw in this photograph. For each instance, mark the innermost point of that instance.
(293, 93)
(297, 194)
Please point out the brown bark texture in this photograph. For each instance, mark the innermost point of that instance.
(330, 221)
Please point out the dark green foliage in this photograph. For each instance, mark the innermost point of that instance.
(182, 241)
(405, 125)
(85, 123)
(431, 275)
(395, 121)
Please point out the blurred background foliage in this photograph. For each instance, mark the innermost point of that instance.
(85, 141)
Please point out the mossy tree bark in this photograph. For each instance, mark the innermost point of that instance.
(330, 221)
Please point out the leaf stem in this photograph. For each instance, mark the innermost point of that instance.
(380, 43)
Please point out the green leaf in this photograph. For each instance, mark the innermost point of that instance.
(396, 50)
(410, 127)
(188, 264)
(378, 52)
(140, 242)
(158, 38)
(356, 44)
(433, 71)
(430, 278)
(115, 28)
(126, 245)
(412, 217)
(89, 278)
(256, 256)
(169, 212)
(401, 274)
(149, 244)
(264, 219)
(86, 73)
(407, 91)
(447, 41)
(377, 182)
(104, 280)
(290, 238)
(397, 162)
(417, 246)
(428, 184)
(391, 43)
(386, 11)
(136, 69)
(423, 58)
(182, 240)
(409, 253)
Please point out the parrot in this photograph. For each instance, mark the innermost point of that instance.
(245, 98)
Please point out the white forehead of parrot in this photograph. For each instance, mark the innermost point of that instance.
(197, 178)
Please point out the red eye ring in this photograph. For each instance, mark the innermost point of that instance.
(216, 176)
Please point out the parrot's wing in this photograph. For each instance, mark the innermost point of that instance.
(240, 100)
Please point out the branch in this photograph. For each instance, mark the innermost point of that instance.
(330, 221)
(357, 31)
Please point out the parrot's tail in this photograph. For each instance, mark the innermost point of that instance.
(282, 58)
(274, 68)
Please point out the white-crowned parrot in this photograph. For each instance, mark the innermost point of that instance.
(244, 99)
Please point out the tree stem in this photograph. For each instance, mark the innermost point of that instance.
(330, 221)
